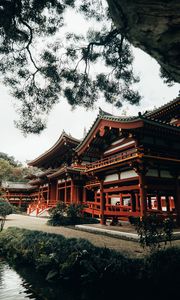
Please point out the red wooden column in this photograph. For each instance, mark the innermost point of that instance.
(20, 201)
(73, 194)
(102, 218)
(137, 201)
(177, 201)
(167, 203)
(158, 198)
(65, 192)
(133, 202)
(57, 191)
(52, 196)
(149, 202)
(84, 194)
(143, 194)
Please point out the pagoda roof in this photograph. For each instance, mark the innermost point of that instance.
(65, 170)
(45, 173)
(56, 152)
(36, 182)
(165, 109)
(126, 122)
(16, 186)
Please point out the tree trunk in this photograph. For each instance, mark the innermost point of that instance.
(153, 26)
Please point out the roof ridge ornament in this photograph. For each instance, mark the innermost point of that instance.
(63, 132)
(103, 113)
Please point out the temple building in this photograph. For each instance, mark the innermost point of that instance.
(124, 166)
(19, 193)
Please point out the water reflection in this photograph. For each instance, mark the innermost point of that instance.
(25, 283)
(12, 286)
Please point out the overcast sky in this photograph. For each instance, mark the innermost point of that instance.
(152, 88)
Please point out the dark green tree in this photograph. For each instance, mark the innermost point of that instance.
(41, 62)
(12, 170)
(10, 159)
(5, 209)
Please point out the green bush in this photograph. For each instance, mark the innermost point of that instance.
(99, 271)
(63, 215)
(5, 209)
(72, 259)
(153, 230)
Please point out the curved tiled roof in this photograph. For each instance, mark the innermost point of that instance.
(20, 186)
(64, 169)
(109, 117)
(64, 138)
(148, 117)
(160, 110)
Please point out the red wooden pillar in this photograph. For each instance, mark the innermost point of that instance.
(167, 203)
(84, 194)
(102, 218)
(20, 201)
(65, 192)
(149, 202)
(52, 196)
(48, 192)
(143, 194)
(57, 192)
(177, 201)
(107, 199)
(95, 196)
(133, 202)
(121, 202)
(158, 198)
(73, 194)
(137, 201)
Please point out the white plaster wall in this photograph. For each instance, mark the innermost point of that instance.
(128, 174)
(111, 177)
(152, 172)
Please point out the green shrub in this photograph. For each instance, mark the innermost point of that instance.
(153, 230)
(99, 271)
(5, 209)
(63, 215)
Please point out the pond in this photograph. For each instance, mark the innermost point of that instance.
(26, 284)
(12, 285)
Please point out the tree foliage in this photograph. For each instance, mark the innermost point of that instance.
(10, 159)
(5, 209)
(42, 62)
(12, 170)
(63, 215)
(153, 230)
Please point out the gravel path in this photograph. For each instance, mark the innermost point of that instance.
(34, 223)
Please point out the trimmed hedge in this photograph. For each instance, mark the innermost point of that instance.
(101, 270)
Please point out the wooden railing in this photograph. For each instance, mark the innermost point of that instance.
(111, 160)
(110, 210)
(40, 206)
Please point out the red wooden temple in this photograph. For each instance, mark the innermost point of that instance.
(124, 166)
(18, 193)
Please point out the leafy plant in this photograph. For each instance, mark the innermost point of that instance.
(5, 209)
(63, 215)
(80, 265)
(153, 230)
(74, 211)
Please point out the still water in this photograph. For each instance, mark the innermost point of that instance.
(13, 286)
(26, 284)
